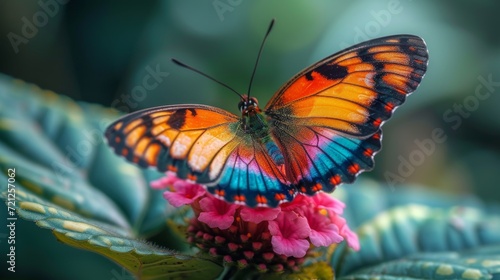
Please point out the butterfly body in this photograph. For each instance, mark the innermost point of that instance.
(255, 124)
(321, 129)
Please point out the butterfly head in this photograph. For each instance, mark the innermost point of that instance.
(248, 106)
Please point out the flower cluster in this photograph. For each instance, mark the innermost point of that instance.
(268, 238)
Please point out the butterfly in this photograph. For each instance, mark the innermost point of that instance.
(320, 129)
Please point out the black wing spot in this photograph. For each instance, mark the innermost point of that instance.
(178, 119)
(193, 111)
(309, 76)
(146, 119)
(332, 71)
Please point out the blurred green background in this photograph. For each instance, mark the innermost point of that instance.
(102, 52)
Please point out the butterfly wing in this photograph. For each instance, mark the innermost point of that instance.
(329, 115)
(203, 144)
(252, 178)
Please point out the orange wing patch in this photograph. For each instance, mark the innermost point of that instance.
(325, 107)
(383, 49)
(151, 154)
(392, 57)
(134, 134)
(354, 93)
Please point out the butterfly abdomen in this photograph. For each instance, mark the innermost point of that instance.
(258, 127)
(274, 151)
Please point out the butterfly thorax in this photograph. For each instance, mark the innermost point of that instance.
(252, 119)
(255, 125)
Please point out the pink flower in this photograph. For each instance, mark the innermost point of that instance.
(267, 238)
(345, 231)
(165, 182)
(259, 214)
(217, 213)
(289, 233)
(323, 231)
(299, 201)
(184, 193)
(351, 238)
(326, 201)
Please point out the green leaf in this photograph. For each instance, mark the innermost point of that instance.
(365, 199)
(481, 263)
(71, 193)
(142, 259)
(407, 230)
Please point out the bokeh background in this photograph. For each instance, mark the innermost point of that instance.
(101, 53)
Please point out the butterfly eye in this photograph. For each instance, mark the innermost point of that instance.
(253, 101)
(242, 105)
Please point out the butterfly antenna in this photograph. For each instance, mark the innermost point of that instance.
(258, 56)
(203, 74)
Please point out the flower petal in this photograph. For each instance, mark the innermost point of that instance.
(325, 236)
(259, 214)
(165, 182)
(344, 230)
(216, 212)
(184, 193)
(299, 201)
(351, 237)
(323, 231)
(328, 202)
(289, 232)
(290, 247)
